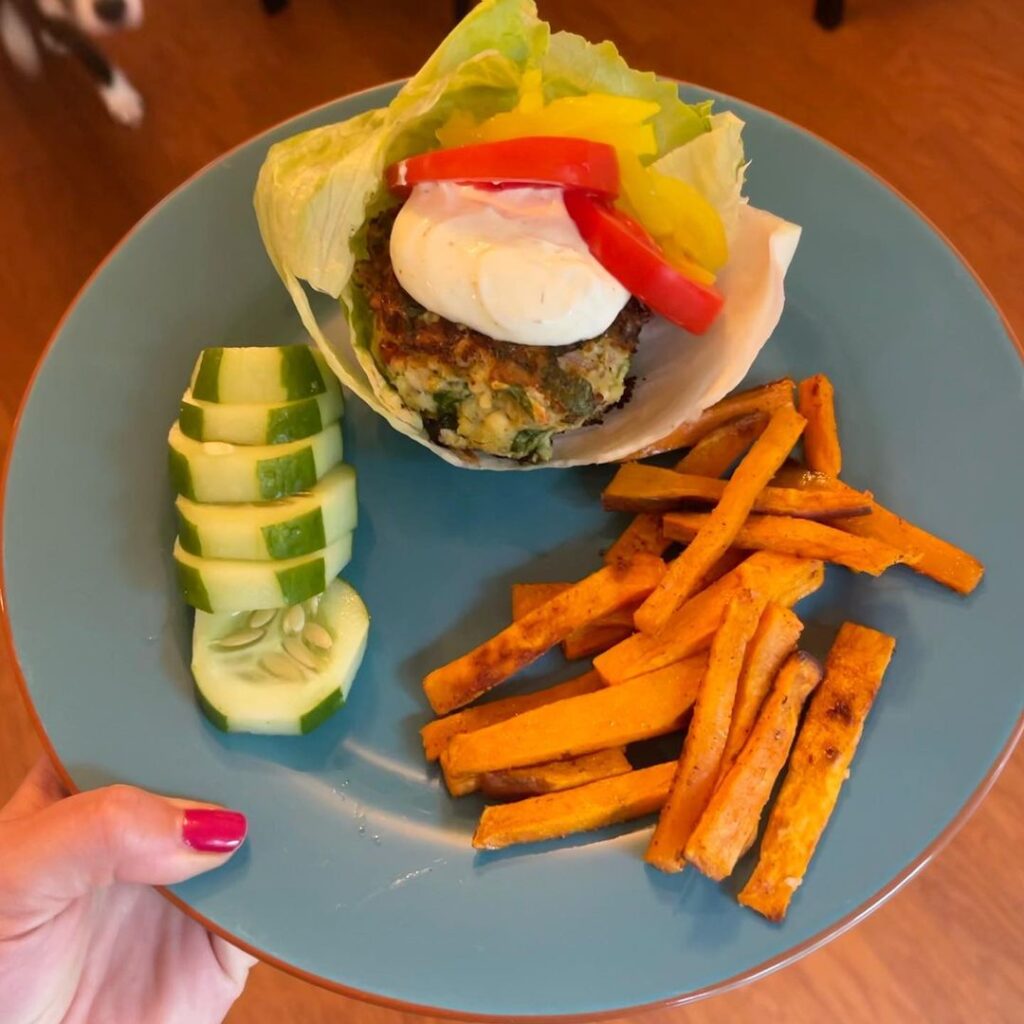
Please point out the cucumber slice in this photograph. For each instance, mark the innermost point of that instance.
(287, 528)
(215, 471)
(238, 693)
(259, 423)
(231, 585)
(281, 374)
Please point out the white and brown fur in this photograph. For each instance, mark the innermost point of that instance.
(30, 27)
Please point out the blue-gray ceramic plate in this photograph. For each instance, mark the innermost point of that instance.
(358, 871)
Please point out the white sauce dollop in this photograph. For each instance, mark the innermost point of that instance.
(508, 263)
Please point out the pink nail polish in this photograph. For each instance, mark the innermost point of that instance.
(213, 831)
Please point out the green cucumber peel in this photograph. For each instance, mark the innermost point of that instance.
(207, 382)
(318, 715)
(302, 581)
(215, 717)
(294, 537)
(300, 375)
(289, 423)
(289, 474)
(190, 419)
(181, 474)
(189, 536)
(193, 589)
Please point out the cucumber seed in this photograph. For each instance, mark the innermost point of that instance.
(294, 647)
(242, 638)
(316, 636)
(294, 619)
(262, 617)
(282, 667)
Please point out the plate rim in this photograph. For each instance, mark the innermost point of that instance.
(752, 974)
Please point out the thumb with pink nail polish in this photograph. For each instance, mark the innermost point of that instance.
(81, 925)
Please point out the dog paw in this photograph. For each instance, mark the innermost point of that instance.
(123, 101)
(51, 45)
(16, 38)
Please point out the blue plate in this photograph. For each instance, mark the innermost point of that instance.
(358, 871)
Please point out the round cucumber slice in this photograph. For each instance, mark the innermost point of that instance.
(248, 688)
(281, 374)
(259, 423)
(286, 528)
(215, 471)
(230, 585)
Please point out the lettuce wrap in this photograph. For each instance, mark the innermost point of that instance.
(317, 191)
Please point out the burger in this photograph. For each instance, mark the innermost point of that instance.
(543, 257)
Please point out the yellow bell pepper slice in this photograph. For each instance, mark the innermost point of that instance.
(681, 220)
(616, 120)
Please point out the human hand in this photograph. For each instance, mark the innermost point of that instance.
(83, 936)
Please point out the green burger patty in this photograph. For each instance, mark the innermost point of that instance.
(480, 394)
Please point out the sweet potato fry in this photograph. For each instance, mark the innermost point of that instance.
(775, 639)
(818, 767)
(712, 455)
(758, 466)
(461, 785)
(680, 675)
(816, 401)
(528, 597)
(610, 717)
(682, 671)
(556, 776)
(766, 398)
(705, 739)
(583, 809)
(583, 643)
(593, 639)
(436, 734)
(922, 551)
(728, 825)
(800, 537)
(464, 679)
(779, 578)
(695, 624)
(729, 561)
(639, 488)
(793, 473)
(538, 778)
(642, 534)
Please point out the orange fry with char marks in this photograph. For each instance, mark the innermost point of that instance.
(463, 680)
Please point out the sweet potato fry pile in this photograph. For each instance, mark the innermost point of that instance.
(698, 643)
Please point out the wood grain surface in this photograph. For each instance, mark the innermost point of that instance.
(929, 93)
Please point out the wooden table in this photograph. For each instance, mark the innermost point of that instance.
(930, 95)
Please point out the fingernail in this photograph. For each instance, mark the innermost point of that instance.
(213, 831)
